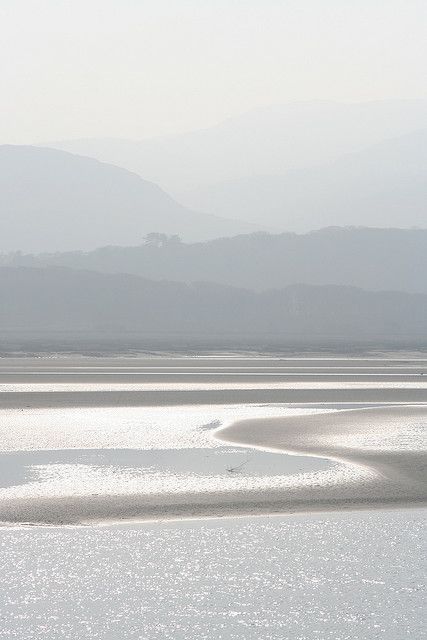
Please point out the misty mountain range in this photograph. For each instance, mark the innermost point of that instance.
(90, 243)
(372, 259)
(58, 299)
(282, 169)
(383, 185)
(266, 141)
(293, 167)
(52, 201)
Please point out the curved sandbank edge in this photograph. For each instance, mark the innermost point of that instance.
(324, 434)
(387, 478)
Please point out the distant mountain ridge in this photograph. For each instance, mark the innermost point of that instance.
(51, 200)
(384, 185)
(58, 299)
(264, 141)
(372, 259)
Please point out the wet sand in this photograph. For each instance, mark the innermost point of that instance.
(382, 477)
(107, 382)
(377, 467)
(400, 474)
(40, 399)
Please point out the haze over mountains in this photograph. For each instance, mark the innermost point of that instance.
(383, 185)
(282, 168)
(51, 200)
(266, 141)
(293, 167)
(57, 299)
(373, 259)
(88, 245)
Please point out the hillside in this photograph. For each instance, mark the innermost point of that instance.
(51, 200)
(373, 259)
(57, 299)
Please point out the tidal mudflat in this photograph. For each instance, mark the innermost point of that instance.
(73, 452)
(109, 443)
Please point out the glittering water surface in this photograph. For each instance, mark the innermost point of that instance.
(334, 576)
(25, 466)
(331, 576)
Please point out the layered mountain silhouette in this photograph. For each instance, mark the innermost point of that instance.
(87, 246)
(373, 259)
(384, 185)
(58, 299)
(267, 141)
(51, 200)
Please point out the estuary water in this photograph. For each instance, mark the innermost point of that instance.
(78, 431)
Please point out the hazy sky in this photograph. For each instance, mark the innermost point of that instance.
(137, 68)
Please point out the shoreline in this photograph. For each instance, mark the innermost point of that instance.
(131, 522)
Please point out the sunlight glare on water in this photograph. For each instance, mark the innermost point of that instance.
(299, 578)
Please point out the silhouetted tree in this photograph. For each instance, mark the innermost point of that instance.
(155, 239)
(160, 239)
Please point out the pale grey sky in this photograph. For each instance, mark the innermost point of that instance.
(137, 68)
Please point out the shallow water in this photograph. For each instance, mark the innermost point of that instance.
(358, 576)
(21, 467)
